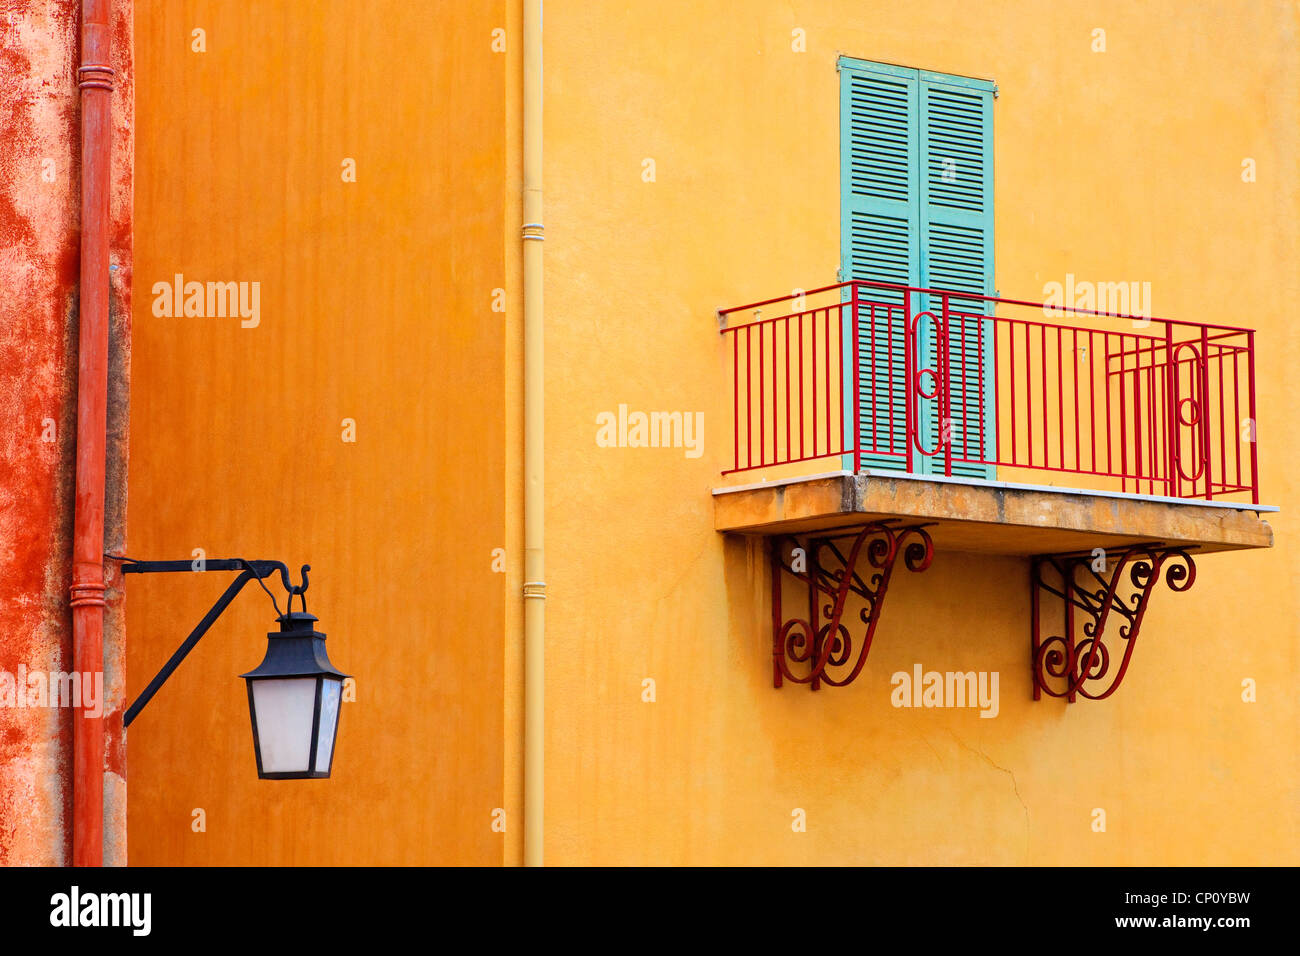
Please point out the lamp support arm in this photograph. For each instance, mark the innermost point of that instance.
(249, 571)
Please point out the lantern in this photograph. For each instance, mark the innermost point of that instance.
(293, 700)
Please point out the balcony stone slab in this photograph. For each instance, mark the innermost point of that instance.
(988, 516)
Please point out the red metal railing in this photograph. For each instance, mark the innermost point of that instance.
(948, 383)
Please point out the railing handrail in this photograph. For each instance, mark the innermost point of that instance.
(953, 294)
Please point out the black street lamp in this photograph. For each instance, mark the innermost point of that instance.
(293, 695)
(293, 699)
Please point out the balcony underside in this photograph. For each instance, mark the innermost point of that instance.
(989, 517)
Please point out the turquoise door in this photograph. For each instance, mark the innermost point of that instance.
(917, 209)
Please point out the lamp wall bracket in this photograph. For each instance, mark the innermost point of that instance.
(249, 571)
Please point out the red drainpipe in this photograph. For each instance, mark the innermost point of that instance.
(96, 82)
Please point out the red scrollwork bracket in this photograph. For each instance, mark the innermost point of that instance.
(1091, 600)
(823, 641)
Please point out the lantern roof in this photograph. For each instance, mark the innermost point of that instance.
(296, 650)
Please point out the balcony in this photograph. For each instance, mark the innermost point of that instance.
(879, 424)
(1002, 425)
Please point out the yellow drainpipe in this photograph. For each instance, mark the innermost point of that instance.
(534, 519)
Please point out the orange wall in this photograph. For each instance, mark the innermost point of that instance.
(375, 306)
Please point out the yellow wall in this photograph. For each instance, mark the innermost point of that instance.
(376, 306)
(1116, 166)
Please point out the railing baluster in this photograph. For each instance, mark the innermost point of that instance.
(1011, 365)
(948, 421)
(1042, 348)
(1092, 403)
(965, 397)
(1060, 398)
(910, 365)
(875, 381)
(776, 428)
(735, 401)
(762, 401)
(802, 397)
(856, 359)
(813, 323)
(829, 414)
(892, 381)
(1236, 410)
(1205, 413)
(981, 384)
(997, 403)
(1254, 422)
(749, 398)
(1171, 411)
(1029, 400)
(1223, 438)
(1137, 415)
(1123, 419)
(1151, 418)
(1074, 375)
(786, 342)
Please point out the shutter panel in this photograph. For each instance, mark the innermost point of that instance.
(879, 216)
(956, 225)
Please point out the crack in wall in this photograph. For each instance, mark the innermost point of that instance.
(1014, 783)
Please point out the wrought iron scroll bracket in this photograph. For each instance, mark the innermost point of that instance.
(826, 646)
(1103, 599)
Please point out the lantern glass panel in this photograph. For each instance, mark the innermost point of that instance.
(331, 691)
(285, 708)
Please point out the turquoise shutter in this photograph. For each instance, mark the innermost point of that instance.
(880, 202)
(957, 254)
